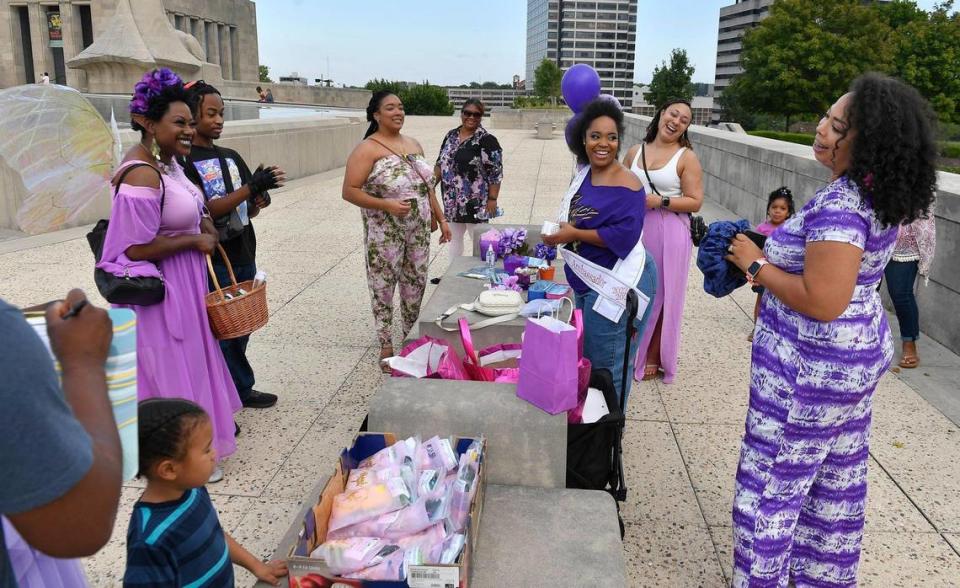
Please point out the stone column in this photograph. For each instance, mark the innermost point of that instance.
(39, 41)
(236, 74)
(72, 42)
(226, 54)
(213, 43)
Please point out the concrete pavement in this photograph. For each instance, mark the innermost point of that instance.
(318, 353)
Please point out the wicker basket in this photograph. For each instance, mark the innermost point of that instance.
(238, 316)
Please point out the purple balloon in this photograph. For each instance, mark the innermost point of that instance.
(568, 133)
(580, 85)
(612, 99)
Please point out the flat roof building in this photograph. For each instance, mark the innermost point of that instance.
(600, 34)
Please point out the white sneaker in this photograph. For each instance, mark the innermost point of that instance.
(216, 476)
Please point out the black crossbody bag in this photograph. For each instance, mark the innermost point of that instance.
(698, 228)
(125, 289)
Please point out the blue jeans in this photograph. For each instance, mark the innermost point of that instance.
(235, 350)
(604, 342)
(901, 276)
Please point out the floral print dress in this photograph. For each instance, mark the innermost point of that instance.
(398, 249)
(467, 170)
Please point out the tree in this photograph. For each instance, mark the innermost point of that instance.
(375, 85)
(265, 74)
(546, 80)
(671, 81)
(925, 55)
(426, 99)
(803, 56)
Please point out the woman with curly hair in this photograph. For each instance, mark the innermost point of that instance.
(822, 341)
(159, 226)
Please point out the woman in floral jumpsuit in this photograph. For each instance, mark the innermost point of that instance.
(389, 179)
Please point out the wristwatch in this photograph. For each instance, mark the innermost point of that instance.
(665, 202)
(755, 268)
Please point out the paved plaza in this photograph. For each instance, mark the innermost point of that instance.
(318, 353)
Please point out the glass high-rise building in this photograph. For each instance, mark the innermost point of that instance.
(600, 34)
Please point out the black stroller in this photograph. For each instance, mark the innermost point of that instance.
(595, 450)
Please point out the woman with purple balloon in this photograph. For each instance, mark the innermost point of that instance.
(673, 179)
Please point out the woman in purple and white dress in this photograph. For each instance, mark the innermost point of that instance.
(822, 341)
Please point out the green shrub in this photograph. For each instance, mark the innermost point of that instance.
(798, 138)
(953, 169)
(950, 149)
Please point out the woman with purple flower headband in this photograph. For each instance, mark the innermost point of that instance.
(159, 227)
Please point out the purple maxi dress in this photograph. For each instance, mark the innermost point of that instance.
(802, 479)
(34, 569)
(666, 237)
(177, 355)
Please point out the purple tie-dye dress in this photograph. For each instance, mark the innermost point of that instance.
(802, 479)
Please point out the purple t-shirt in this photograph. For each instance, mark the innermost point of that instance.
(616, 212)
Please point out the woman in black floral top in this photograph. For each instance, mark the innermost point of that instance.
(470, 169)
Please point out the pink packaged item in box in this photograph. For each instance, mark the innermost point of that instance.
(390, 568)
(437, 454)
(350, 555)
(400, 523)
(368, 503)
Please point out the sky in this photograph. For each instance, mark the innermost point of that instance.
(450, 43)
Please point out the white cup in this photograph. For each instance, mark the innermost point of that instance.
(549, 228)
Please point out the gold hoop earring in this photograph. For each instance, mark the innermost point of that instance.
(155, 148)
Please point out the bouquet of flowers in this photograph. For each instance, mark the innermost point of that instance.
(512, 242)
(544, 251)
(508, 283)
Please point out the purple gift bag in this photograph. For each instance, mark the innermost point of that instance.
(549, 365)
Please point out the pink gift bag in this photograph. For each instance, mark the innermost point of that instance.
(549, 365)
(496, 363)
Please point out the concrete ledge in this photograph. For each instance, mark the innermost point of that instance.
(528, 118)
(527, 447)
(539, 537)
(302, 146)
(739, 171)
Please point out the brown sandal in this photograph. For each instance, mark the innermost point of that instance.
(650, 371)
(385, 352)
(909, 358)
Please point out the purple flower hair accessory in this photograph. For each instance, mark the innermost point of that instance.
(152, 83)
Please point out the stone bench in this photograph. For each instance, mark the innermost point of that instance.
(545, 129)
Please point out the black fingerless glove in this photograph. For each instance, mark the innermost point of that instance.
(262, 180)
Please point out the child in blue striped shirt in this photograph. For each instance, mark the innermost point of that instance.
(175, 537)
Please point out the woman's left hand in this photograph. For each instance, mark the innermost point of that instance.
(566, 234)
(207, 226)
(743, 252)
(491, 208)
(445, 234)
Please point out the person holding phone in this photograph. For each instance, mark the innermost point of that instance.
(388, 178)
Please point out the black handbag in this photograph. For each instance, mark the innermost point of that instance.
(698, 227)
(125, 289)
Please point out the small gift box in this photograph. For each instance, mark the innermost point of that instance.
(489, 239)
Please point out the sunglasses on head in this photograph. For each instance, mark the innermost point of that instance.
(471, 113)
(192, 83)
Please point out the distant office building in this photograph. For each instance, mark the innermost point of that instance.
(702, 106)
(735, 21)
(600, 34)
(42, 36)
(294, 78)
(491, 97)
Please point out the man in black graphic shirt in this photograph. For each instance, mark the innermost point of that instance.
(234, 195)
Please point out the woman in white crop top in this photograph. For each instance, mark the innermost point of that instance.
(673, 182)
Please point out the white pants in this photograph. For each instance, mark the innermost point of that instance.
(458, 230)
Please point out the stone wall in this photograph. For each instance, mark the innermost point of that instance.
(298, 94)
(528, 118)
(301, 146)
(739, 171)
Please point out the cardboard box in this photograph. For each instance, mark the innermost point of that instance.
(307, 572)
